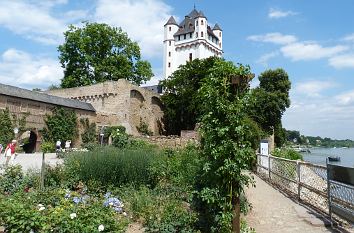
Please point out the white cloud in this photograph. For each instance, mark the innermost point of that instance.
(328, 116)
(275, 37)
(19, 68)
(313, 88)
(266, 57)
(349, 37)
(142, 20)
(346, 98)
(276, 14)
(32, 20)
(310, 51)
(342, 61)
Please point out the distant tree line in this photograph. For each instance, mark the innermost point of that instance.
(294, 137)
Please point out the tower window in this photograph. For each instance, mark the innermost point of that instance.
(169, 64)
(201, 34)
(179, 37)
(169, 43)
(190, 57)
(169, 28)
(219, 34)
(196, 34)
(169, 54)
(197, 23)
(185, 36)
(190, 35)
(202, 22)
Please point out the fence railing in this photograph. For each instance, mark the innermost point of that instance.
(306, 181)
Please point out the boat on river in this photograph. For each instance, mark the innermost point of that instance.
(333, 158)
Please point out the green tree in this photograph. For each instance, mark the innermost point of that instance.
(181, 98)
(7, 127)
(269, 102)
(89, 135)
(60, 125)
(97, 52)
(227, 144)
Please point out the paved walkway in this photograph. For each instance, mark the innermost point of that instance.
(273, 212)
(33, 161)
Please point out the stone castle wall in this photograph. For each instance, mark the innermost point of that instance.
(119, 103)
(35, 113)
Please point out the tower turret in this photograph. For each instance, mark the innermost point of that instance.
(218, 32)
(170, 28)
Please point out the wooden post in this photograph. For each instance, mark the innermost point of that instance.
(236, 226)
(269, 167)
(42, 172)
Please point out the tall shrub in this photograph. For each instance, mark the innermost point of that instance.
(6, 127)
(89, 134)
(60, 125)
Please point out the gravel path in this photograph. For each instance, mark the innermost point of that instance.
(33, 161)
(273, 212)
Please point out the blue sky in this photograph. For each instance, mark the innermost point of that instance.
(312, 40)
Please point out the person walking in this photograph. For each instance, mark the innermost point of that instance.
(10, 152)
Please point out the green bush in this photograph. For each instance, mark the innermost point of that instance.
(287, 154)
(12, 179)
(143, 128)
(48, 147)
(120, 138)
(111, 166)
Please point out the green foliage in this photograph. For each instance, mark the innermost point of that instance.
(12, 179)
(181, 99)
(61, 125)
(160, 212)
(143, 128)
(7, 127)
(120, 138)
(89, 135)
(287, 154)
(226, 143)
(98, 52)
(90, 145)
(22, 213)
(110, 166)
(48, 147)
(269, 101)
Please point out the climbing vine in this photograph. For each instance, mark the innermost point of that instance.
(226, 143)
(89, 135)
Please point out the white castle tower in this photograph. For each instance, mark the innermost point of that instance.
(192, 38)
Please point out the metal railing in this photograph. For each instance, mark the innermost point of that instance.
(306, 181)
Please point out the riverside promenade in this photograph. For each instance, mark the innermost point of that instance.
(273, 212)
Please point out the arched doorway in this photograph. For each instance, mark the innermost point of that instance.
(30, 142)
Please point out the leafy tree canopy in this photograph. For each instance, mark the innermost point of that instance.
(7, 127)
(269, 102)
(181, 101)
(97, 52)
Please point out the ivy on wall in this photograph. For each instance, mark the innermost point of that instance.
(89, 135)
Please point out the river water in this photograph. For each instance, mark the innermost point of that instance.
(319, 155)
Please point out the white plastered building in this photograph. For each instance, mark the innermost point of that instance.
(192, 38)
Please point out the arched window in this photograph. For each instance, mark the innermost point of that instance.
(196, 34)
(197, 23)
(201, 34)
(219, 34)
(169, 28)
(169, 43)
(169, 64)
(169, 54)
(202, 22)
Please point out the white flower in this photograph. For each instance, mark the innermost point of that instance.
(125, 214)
(41, 208)
(100, 227)
(73, 215)
(40, 205)
(111, 203)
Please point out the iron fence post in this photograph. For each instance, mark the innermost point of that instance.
(298, 180)
(329, 193)
(269, 167)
